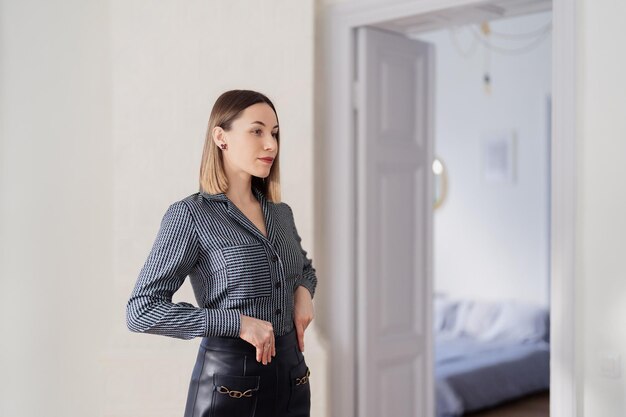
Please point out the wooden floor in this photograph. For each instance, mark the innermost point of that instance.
(536, 405)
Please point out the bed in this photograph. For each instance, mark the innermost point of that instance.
(488, 352)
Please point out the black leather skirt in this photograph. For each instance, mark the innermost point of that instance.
(227, 380)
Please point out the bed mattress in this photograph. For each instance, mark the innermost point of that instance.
(471, 374)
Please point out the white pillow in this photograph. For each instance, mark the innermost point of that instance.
(476, 317)
(519, 321)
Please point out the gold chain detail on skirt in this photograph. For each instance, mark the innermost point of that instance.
(304, 379)
(235, 394)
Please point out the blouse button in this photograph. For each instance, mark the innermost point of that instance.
(277, 285)
(278, 311)
(274, 258)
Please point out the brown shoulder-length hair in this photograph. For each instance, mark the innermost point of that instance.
(227, 108)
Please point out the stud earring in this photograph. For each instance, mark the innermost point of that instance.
(223, 146)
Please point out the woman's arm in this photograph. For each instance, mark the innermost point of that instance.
(304, 310)
(309, 277)
(174, 253)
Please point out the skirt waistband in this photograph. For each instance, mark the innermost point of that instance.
(237, 344)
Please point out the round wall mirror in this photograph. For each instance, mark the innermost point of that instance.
(440, 174)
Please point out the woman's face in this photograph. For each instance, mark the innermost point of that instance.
(252, 137)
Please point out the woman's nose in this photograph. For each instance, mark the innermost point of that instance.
(271, 144)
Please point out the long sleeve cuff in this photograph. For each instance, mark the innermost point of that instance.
(309, 281)
(185, 321)
(223, 322)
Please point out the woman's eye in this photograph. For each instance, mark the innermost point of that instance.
(256, 131)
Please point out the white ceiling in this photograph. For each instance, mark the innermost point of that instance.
(457, 16)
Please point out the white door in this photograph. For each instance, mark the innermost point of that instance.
(394, 125)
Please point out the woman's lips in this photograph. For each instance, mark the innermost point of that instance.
(268, 160)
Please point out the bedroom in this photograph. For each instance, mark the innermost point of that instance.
(491, 224)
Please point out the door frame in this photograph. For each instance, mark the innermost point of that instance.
(338, 184)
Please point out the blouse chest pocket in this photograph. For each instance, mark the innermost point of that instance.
(248, 271)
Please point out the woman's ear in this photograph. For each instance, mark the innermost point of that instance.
(218, 135)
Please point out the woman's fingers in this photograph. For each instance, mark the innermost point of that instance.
(268, 352)
(304, 312)
(259, 353)
(300, 335)
(268, 344)
(301, 323)
(268, 347)
(273, 348)
(264, 351)
(260, 334)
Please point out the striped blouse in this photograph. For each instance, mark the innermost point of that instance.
(232, 266)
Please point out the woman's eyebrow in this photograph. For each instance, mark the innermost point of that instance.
(261, 123)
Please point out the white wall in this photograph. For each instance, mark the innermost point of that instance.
(601, 224)
(56, 212)
(491, 239)
(104, 109)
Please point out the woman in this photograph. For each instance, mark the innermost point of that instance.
(251, 278)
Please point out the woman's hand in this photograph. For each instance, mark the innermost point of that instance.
(303, 312)
(260, 334)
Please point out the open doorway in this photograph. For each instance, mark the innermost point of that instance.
(348, 394)
(491, 248)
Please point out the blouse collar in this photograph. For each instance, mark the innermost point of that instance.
(223, 197)
(234, 212)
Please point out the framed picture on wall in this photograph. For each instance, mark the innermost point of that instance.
(498, 157)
